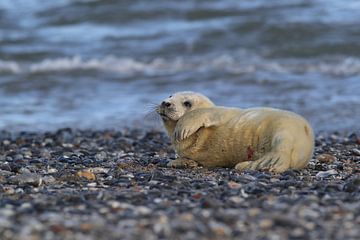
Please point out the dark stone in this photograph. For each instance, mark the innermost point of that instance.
(352, 185)
(208, 202)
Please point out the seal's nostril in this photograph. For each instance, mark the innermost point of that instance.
(165, 104)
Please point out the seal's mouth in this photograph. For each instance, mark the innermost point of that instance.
(162, 114)
(165, 113)
(167, 118)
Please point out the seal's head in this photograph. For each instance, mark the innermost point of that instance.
(177, 104)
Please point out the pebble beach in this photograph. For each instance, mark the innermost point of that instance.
(114, 184)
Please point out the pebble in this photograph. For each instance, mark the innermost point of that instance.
(48, 180)
(352, 185)
(142, 210)
(254, 188)
(101, 156)
(9, 190)
(236, 199)
(326, 158)
(297, 233)
(219, 229)
(26, 179)
(208, 202)
(356, 151)
(98, 170)
(325, 174)
(52, 170)
(266, 224)
(45, 153)
(93, 184)
(234, 185)
(5, 173)
(87, 175)
(7, 212)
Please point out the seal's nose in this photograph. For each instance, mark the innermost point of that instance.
(165, 104)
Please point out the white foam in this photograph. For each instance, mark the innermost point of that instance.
(9, 66)
(225, 63)
(110, 63)
(348, 66)
(64, 64)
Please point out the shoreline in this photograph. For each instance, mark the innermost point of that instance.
(86, 184)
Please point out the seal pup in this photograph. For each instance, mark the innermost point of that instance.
(256, 138)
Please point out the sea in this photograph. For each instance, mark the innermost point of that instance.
(96, 64)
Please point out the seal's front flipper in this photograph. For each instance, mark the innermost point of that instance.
(183, 130)
(191, 122)
(182, 163)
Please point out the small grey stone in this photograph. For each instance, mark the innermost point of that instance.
(5, 173)
(326, 158)
(24, 170)
(325, 174)
(48, 180)
(45, 153)
(352, 185)
(26, 179)
(101, 156)
(356, 151)
(18, 157)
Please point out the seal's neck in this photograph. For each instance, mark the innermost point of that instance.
(170, 126)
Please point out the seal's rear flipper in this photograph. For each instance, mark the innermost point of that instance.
(270, 162)
(287, 153)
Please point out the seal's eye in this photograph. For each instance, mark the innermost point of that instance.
(187, 104)
(170, 96)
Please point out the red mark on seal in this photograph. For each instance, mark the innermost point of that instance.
(250, 153)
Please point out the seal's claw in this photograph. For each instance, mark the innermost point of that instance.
(182, 133)
(186, 133)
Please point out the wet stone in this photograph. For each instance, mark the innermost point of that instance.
(48, 180)
(26, 179)
(326, 174)
(263, 176)
(208, 202)
(355, 151)
(101, 156)
(86, 175)
(5, 173)
(254, 188)
(352, 185)
(326, 158)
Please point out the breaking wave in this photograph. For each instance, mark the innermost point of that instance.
(9, 66)
(225, 63)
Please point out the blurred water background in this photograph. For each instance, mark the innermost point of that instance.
(98, 64)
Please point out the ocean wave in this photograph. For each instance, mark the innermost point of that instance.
(158, 66)
(110, 63)
(348, 66)
(9, 66)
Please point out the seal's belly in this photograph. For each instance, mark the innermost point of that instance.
(226, 145)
